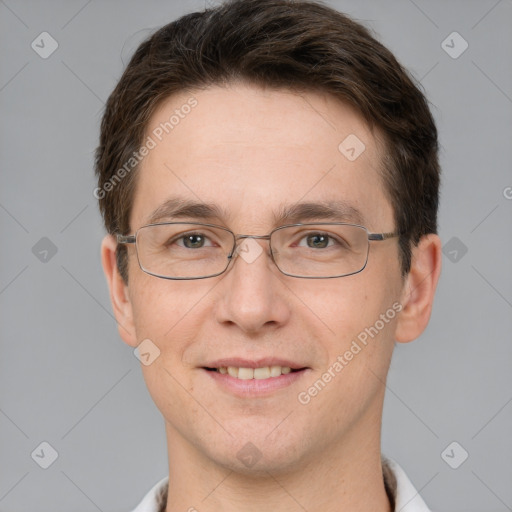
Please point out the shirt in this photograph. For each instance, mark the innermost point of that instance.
(402, 494)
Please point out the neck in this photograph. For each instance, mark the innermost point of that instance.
(348, 476)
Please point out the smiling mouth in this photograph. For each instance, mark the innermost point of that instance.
(265, 372)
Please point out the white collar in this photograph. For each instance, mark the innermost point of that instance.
(407, 498)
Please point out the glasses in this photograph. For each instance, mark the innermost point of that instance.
(185, 250)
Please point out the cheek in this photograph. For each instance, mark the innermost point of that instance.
(357, 352)
(164, 314)
(173, 315)
(153, 309)
(160, 310)
(341, 305)
(358, 318)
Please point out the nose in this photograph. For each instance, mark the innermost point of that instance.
(252, 295)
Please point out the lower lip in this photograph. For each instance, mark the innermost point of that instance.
(254, 387)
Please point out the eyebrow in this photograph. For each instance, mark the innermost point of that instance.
(183, 208)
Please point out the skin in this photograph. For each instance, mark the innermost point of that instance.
(251, 150)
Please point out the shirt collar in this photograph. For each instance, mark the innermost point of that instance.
(407, 498)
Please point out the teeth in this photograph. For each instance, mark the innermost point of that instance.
(261, 373)
(275, 371)
(245, 373)
(255, 373)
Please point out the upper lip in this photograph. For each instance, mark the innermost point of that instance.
(240, 362)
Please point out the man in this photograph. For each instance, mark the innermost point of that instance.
(268, 176)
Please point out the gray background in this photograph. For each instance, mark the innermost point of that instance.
(65, 376)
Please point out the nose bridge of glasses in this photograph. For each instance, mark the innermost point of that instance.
(244, 237)
(264, 237)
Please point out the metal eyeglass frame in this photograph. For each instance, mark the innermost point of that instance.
(372, 237)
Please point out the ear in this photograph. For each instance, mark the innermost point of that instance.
(419, 289)
(119, 295)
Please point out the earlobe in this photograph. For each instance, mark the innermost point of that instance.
(419, 289)
(119, 296)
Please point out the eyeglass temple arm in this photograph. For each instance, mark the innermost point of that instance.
(125, 239)
(382, 236)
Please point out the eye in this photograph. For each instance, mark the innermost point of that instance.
(191, 241)
(317, 241)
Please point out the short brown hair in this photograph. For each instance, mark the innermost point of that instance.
(298, 45)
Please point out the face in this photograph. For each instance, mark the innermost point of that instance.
(253, 152)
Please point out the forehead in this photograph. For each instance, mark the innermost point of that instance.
(254, 152)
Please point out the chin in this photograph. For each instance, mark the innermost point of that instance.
(261, 466)
(255, 453)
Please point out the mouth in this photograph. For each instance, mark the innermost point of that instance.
(246, 379)
(263, 372)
